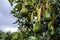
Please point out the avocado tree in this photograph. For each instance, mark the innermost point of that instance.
(37, 19)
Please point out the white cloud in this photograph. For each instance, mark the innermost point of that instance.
(9, 28)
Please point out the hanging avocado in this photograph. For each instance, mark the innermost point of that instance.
(37, 27)
(24, 11)
(47, 15)
(52, 32)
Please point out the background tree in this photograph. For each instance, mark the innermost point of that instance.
(2, 35)
(37, 19)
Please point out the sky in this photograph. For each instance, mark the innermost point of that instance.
(7, 19)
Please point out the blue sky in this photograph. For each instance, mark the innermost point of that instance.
(6, 19)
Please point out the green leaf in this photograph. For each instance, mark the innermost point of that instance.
(33, 38)
(11, 1)
(18, 6)
(29, 3)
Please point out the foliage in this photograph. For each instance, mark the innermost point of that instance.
(37, 19)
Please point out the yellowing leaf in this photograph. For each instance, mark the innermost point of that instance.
(49, 8)
(52, 27)
(32, 18)
(38, 14)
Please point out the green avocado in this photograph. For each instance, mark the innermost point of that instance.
(37, 27)
(47, 15)
(24, 11)
(52, 32)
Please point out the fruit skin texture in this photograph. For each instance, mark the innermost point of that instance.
(52, 32)
(24, 11)
(37, 27)
(47, 15)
